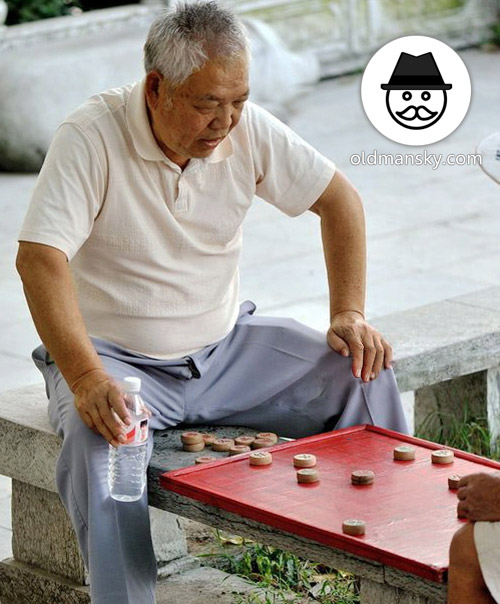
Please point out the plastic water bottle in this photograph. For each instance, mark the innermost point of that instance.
(128, 462)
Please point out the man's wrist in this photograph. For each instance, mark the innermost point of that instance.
(74, 386)
(350, 310)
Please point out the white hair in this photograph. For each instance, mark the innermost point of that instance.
(184, 38)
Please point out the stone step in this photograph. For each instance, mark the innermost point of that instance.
(24, 584)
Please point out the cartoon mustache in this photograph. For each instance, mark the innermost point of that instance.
(412, 112)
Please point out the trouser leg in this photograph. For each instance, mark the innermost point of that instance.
(279, 375)
(114, 537)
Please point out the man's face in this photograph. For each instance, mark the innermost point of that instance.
(416, 109)
(193, 119)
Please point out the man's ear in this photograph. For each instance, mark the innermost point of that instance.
(153, 83)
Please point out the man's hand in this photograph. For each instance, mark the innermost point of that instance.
(350, 334)
(101, 406)
(479, 497)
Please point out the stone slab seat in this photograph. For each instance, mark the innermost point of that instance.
(447, 353)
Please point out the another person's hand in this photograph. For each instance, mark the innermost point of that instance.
(479, 497)
(101, 406)
(350, 334)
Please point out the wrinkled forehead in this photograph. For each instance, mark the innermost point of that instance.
(218, 79)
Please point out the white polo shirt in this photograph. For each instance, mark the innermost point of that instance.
(153, 249)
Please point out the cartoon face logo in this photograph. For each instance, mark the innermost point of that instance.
(416, 93)
(416, 109)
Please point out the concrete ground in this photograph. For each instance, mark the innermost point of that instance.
(432, 234)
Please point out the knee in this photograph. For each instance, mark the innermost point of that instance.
(79, 441)
(84, 456)
(463, 552)
(335, 367)
(75, 427)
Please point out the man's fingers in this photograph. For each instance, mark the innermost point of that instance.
(357, 350)
(369, 355)
(337, 343)
(103, 409)
(87, 419)
(369, 351)
(462, 510)
(111, 421)
(463, 482)
(387, 354)
(379, 357)
(461, 493)
(101, 426)
(116, 402)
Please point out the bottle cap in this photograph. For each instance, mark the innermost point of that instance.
(131, 384)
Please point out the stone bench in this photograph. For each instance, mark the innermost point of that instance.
(47, 566)
(447, 353)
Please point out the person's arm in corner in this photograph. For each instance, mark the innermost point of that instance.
(344, 245)
(52, 301)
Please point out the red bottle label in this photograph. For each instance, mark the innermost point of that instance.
(138, 433)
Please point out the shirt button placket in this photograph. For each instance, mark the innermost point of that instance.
(181, 203)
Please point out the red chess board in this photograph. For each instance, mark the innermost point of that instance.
(410, 513)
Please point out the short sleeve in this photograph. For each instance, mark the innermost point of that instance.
(68, 194)
(290, 173)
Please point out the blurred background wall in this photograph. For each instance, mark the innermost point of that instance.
(49, 66)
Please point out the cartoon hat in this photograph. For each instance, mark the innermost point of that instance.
(416, 73)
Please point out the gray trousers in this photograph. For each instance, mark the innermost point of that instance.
(270, 374)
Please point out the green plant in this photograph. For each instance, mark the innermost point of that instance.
(22, 11)
(281, 577)
(96, 4)
(466, 431)
(495, 34)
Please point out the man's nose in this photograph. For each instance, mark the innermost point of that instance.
(224, 118)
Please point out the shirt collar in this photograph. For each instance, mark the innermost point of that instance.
(138, 124)
(142, 136)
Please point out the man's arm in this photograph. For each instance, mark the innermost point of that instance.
(51, 298)
(344, 245)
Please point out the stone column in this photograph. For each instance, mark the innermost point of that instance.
(42, 534)
(47, 565)
(382, 593)
(476, 395)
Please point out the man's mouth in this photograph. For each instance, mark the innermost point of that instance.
(211, 142)
(420, 112)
